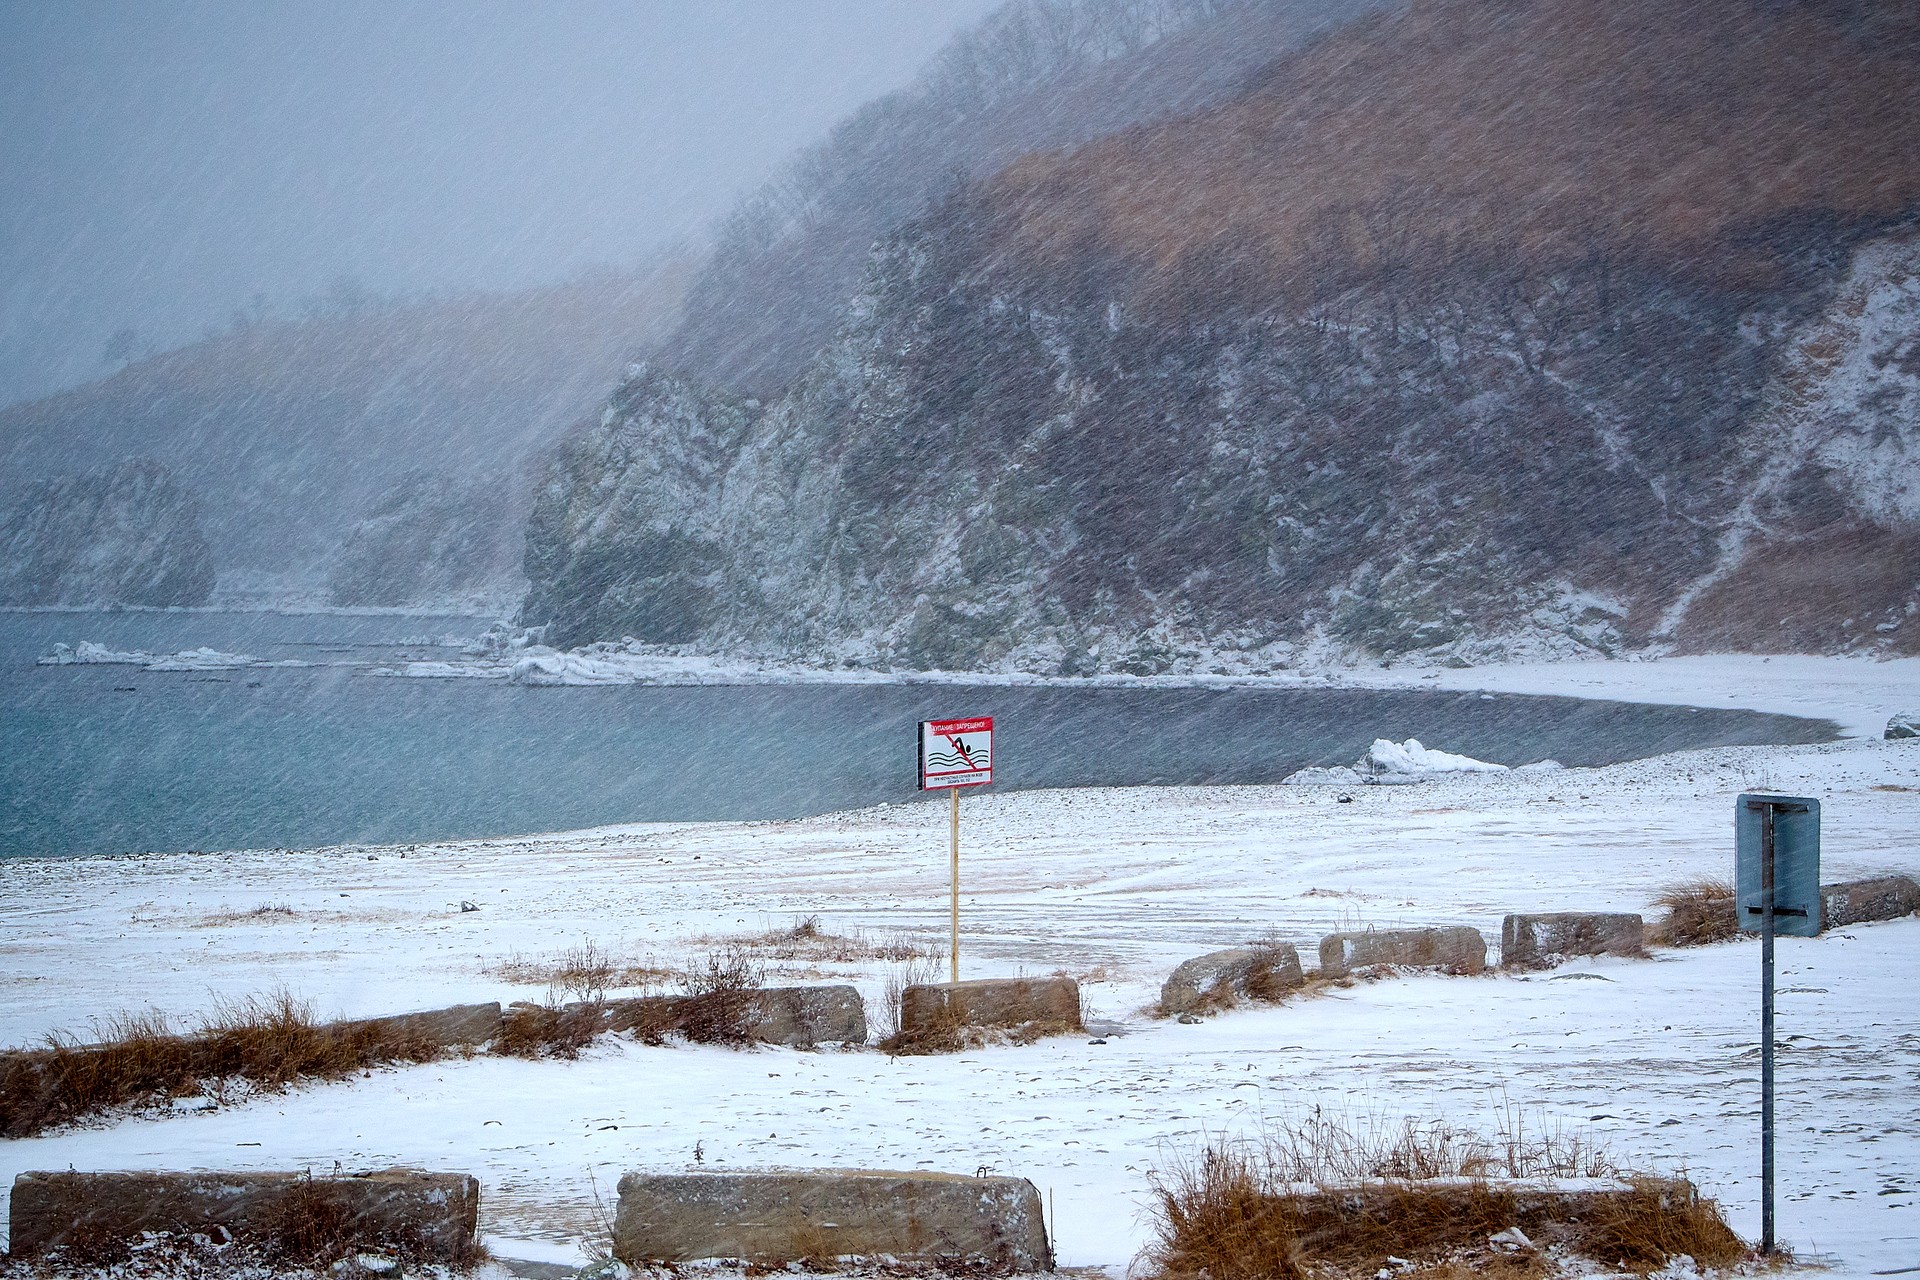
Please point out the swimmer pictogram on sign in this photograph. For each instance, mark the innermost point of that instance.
(956, 753)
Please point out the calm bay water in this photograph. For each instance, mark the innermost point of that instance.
(111, 759)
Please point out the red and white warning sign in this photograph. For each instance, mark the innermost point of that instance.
(956, 753)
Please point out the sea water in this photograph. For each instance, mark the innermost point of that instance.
(103, 759)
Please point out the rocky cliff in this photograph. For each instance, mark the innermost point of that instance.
(1450, 334)
(126, 535)
(432, 539)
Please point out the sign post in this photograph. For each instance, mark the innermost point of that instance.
(955, 754)
(1777, 890)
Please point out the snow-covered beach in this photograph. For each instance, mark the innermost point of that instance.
(1655, 1058)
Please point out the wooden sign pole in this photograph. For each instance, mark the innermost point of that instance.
(955, 754)
(953, 958)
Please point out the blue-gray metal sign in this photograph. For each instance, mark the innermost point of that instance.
(1776, 876)
(1796, 862)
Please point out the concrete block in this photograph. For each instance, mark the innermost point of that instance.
(988, 1002)
(800, 1017)
(806, 1016)
(772, 1218)
(468, 1025)
(1455, 949)
(1860, 901)
(428, 1217)
(1542, 941)
(1261, 973)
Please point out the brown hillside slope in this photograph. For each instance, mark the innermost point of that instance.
(1673, 129)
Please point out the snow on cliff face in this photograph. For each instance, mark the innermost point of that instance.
(126, 535)
(1817, 551)
(624, 537)
(431, 537)
(1849, 388)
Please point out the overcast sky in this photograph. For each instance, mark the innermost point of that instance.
(162, 161)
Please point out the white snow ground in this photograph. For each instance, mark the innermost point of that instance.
(1656, 1057)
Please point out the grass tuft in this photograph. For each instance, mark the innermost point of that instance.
(909, 971)
(267, 1041)
(1321, 1199)
(586, 972)
(805, 944)
(1698, 912)
(718, 1004)
(549, 1030)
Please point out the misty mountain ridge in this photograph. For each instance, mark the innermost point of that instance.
(329, 448)
(1142, 337)
(321, 448)
(1447, 336)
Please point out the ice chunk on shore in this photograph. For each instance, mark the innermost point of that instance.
(1410, 759)
(543, 666)
(1388, 762)
(201, 659)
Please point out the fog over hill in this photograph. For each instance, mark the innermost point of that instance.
(1145, 335)
(413, 241)
(374, 454)
(1468, 330)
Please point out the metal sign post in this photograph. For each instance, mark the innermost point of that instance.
(953, 952)
(1777, 882)
(955, 754)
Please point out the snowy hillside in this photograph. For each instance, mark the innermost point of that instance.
(1363, 360)
(123, 535)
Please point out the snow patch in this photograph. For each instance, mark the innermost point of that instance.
(1411, 759)
(201, 659)
(1388, 763)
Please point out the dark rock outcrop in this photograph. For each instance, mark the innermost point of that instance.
(125, 535)
(430, 537)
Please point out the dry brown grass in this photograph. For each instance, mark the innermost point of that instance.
(1543, 128)
(274, 1041)
(948, 1032)
(1262, 983)
(268, 1041)
(912, 971)
(1245, 1212)
(1697, 913)
(586, 972)
(1326, 1148)
(719, 996)
(549, 1030)
(805, 942)
(716, 1005)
